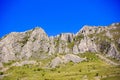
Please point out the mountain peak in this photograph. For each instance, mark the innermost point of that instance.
(39, 29)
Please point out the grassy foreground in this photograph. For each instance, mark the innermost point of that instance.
(93, 69)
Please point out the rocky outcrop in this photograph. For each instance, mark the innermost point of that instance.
(113, 52)
(73, 58)
(10, 46)
(31, 62)
(68, 37)
(65, 59)
(35, 43)
(87, 30)
(55, 62)
(87, 44)
(75, 50)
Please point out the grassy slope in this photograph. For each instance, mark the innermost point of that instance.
(90, 69)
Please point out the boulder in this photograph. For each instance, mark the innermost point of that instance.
(65, 59)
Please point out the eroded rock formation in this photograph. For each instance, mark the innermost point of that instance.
(35, 43)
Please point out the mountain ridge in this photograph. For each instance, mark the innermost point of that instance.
(22, 45)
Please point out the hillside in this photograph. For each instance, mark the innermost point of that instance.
(93, 53)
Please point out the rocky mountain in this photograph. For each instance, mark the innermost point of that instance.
(35, 43)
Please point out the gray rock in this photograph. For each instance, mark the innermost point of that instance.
(75, 49)
(73, 58)
(56, 62)
(87, 30)
(113, 52)
(65, 59)
(68, 37)
(24, 63)
(87, 44)
(108, 34)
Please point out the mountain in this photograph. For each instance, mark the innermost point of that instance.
(35, 43)
(93, 53)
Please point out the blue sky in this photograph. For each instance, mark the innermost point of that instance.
(56, 16)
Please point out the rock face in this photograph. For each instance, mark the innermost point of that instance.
(68, 37)
(87, 44)
(113, 52)
(36, 44)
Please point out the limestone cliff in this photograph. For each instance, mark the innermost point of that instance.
(35, 43)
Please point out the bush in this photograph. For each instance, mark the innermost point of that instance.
(70, 45)
(1, 73)
(96, 74)
(43, 74)
(79, 37)
(38, 69)
(58, 71)
(54, 69)
(79, 70)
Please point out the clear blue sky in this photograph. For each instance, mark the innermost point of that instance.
(56, 16)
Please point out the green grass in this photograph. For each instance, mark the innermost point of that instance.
(93, 67)
(112, 78)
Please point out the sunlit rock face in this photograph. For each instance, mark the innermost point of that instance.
(65, 59)
(35, 43)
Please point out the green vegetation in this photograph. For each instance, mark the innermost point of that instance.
(1, 73)
(90, 69)
(99, 37)
(114, 60)
(70, 45)
(91, 57)
(8, 63)
(57, 42)
(112, 78)
(91, 35)
(79, 37)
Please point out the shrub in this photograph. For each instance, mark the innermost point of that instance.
(79, 70)
(79, 37)
(54, 69)
(96, 74)
(1, 73)
(70, 45)
(39, 69)
(58, 71)
(43, 74)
